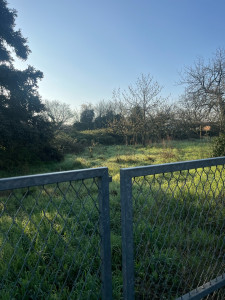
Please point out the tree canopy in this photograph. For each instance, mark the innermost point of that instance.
(24, 132)
(9, 36)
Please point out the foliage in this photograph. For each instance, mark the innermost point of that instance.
(25, 135)
(9, 36)
(121, 156)
(100, 136)
(219, 145)
(103, 121)
(66, 144)
(86, 118)
(141, 101)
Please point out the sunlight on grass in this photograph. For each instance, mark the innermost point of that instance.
(176, 218)
(121, 156)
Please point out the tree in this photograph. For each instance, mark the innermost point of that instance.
(87, 116)
(59, 113)
(24, 133)
(163, 122)
(205, 82)
(105, 113)
(136, 117)
(141, 102)
(102, 108)
(9, 36)
(120, 125)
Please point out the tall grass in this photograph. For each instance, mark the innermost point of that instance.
(118, 156)
(50, 243)
(49, 236)
(178, 231)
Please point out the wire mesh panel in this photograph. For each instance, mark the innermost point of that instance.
(177, 220)
(54, 238)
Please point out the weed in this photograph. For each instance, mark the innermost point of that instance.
(149, 158)
(91, 148)
(168, 154)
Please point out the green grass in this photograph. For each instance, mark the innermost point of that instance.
(178, 231)
(49, 237)
(121, 156)
(178, 227)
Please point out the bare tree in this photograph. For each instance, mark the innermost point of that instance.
(103, 107)
(143, 98)
(195, 111)
(206, 82)
(59, 113)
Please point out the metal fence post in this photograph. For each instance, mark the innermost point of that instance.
(105, 236)
(127, 235)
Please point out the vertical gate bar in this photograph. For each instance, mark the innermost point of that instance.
(106, 272)
(127, 235)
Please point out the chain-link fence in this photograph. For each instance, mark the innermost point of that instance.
(173, 225)
(55, 236)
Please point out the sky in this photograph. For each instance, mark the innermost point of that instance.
(88, 48)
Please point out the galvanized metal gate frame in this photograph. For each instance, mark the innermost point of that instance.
(126, 175)
(103, 199)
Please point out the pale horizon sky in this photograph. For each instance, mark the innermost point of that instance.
(87, 48)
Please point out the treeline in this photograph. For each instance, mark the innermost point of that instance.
(141, 115)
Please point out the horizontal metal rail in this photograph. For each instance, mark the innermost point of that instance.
(49, 178)
(205, 289)
(173, 167)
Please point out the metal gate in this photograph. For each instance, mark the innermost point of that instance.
(55, 233)
(55, 236)
(173, 230)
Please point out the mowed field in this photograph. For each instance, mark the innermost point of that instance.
(49, 237)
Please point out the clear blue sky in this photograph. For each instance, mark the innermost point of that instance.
(86, 48)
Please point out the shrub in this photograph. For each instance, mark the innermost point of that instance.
(100, 136)
(219, 145)
(67, 144)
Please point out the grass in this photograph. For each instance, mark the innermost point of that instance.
(48, 244)
(50, 238)
(178, 231)
(115, 157)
